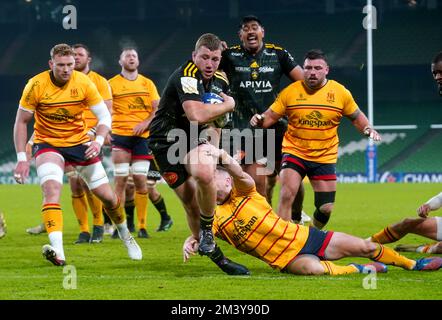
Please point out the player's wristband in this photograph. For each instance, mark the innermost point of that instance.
(21, 156)
(99, 139)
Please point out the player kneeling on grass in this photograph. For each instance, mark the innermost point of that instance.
(245, 219)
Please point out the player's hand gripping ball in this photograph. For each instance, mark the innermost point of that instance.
(213, 98)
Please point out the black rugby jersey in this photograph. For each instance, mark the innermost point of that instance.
(185, 83)
(255, 79)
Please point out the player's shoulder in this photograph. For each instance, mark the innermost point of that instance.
(41, 77)
(336, 85)
(79, 76)
(188, 69)
(273, 46)
(145, 78)
(221, 75)
(115, 78)
(233, 51)
(93, 75)
(234, 48)
(298, 84)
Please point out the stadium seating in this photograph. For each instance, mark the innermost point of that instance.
(423, 159)
(404, 43)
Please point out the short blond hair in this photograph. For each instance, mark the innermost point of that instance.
(210, 41)
(62, 49)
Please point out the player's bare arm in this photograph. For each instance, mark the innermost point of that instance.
(103, 127)
(296, 74)
(360, 121)
(265, 120)
(20, 140)
(431, 205)
(141, 127)
(241, 180)
(203, 113)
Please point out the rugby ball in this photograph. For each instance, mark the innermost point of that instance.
(213, 98)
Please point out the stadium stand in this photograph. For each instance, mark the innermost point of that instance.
(422, 158)
(404, 43)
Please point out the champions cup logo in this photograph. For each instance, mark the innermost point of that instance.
(170, 177)
(331, 97)
(314, 119)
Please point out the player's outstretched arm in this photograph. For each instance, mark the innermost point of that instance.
(241, 180)
(360, 121)
(104, 124)
(228, 266)
(431, 205)
(265, 120)
(190, 248)
(21, 171)
(205, 112)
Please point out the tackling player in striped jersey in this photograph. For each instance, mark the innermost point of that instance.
(246, 220)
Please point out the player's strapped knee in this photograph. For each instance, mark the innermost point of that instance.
(140, 167)
(153, 175)
(322, 198)
(121, 169)
(94, 175)
(321, 217)
(438, 228)
(50, 171)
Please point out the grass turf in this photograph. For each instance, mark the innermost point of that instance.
(105, 272)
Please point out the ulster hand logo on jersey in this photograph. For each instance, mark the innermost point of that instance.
(331, 97)
(74, 92)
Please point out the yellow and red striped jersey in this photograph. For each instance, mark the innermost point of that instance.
(247, 221)
(59, 111)
(314, 117)
(104, 91)
(132, 103)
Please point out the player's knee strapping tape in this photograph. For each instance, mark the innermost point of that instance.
(322, 198)
(140, 167)
(72, 174)
(121, 169)
(49, 171)
(94, 175)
